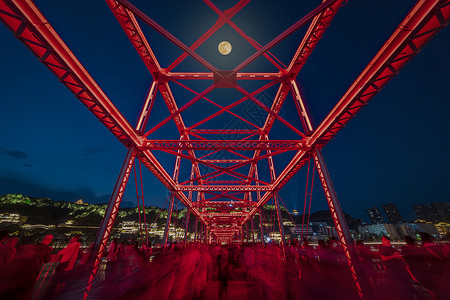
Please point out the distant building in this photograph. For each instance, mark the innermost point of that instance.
(375, 215)
(295, 212)
(392, 213)
(12, 219)
(434, 212)
(297, 230)
(424, 212)
(443, 228)
(441, 211)
(379, 230)
(80, 202)
(427, 227)
(405, 230)
(128, 227)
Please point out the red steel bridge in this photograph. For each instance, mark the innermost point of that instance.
(232, 169)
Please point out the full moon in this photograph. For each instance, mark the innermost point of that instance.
(224, 48)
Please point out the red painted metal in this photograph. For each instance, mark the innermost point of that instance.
(110, 216)
(166, 34)
(210, 76)
(224, 145)
(225, 167)
(338, 218)
(420, 25)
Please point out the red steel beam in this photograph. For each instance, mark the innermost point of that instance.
(133, 31)
(223, 145)
(110, 216)
(421, 24)
(282, 36)
(146, 19)
(224, 131)
(210, 76)
(219, 23)
(242, 34)
(312, 37)
(131, 27)
(240, 188)
(424, 21)
(315, 31)
(234, 104)
(274, 114)
(28, 25)
(177, 112)
(215, 104)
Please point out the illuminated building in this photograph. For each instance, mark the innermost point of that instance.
(392, 213)
(12, 218)
(379, 230)
(434, 212)
(375, 215)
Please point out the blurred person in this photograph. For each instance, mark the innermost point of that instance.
(43, 250)
(366, 265)
(432, 263)
(223, 272)
(25, 268)
(112, 257)
(3, 236)
(7, 252)
(443, 290)
(397, 279)
(69, 254)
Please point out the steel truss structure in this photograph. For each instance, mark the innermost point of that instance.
(225, 188)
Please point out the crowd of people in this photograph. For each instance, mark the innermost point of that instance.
(238, 271)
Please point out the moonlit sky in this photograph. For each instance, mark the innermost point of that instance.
(395, 150)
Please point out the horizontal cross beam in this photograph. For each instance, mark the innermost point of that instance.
(233, 188)
(210, 76)
(224, 145)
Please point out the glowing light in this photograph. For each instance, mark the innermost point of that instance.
(224, 48)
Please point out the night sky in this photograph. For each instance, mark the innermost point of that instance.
(395, 150)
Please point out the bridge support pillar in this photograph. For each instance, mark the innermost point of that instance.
(339, 221)
(186, 229)
(112, 209)
(196, 224)
(253, 232)
(169, 216)
(280, 224)
(261, 224)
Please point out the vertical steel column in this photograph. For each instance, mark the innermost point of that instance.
(176, 172)
(253, 232)
(169, 216)
(116, 197)
(196, 223)
(280, 224)
(277, 203)
(258, 197)
(110, 216)
(338, 217)
(261, 224)
(333, 203)
(187, 227)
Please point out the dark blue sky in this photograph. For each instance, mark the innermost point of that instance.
(395, 150)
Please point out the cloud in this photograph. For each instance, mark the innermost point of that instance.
(13, 153)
